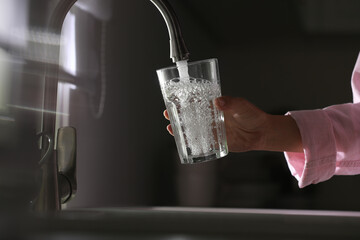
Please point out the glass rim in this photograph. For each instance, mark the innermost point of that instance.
(189, 64)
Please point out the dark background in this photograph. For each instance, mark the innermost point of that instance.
(281, 55)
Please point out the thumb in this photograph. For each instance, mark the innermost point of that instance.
(231, 104)
(223, 103)
(239, 109)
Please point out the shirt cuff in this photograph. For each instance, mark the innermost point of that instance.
(317, 162)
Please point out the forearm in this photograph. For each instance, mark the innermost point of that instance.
(282, 134)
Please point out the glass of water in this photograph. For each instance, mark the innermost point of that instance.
(189, 91)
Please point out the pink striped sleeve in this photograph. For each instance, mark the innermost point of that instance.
(331, 140)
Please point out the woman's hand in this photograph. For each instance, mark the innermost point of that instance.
(249, 128)
(245, 124)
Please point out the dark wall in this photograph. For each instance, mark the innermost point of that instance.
(282, 56)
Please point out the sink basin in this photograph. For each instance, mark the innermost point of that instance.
(184, 224)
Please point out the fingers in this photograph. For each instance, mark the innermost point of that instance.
(169, 128)
(166, 115)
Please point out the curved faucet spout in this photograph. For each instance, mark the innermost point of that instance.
(178, 50)
(55, 185)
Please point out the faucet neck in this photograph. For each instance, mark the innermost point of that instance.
(178, 50)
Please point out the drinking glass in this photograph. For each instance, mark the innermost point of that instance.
(189, 91)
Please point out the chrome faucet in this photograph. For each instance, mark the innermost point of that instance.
(58, 166)
(178, 50)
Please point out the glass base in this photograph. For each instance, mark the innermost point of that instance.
(204, 157)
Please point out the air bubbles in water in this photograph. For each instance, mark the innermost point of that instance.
(193, 100)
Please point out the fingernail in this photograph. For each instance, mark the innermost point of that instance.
(220, 102)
